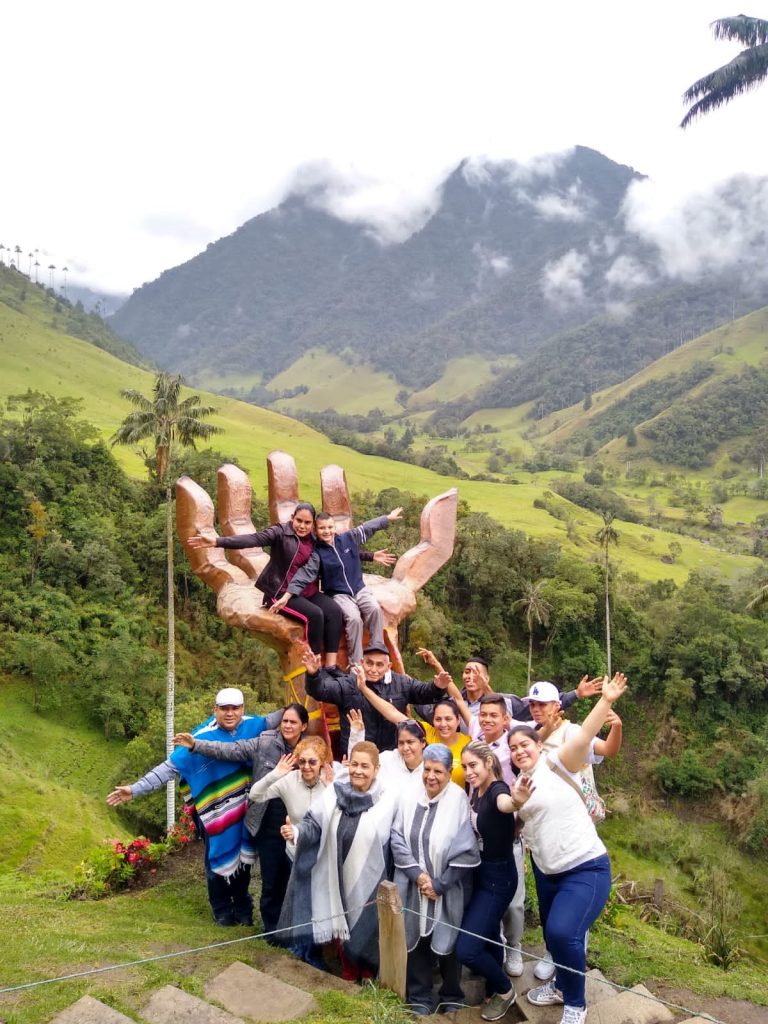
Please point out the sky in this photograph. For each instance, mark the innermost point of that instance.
(137, 133)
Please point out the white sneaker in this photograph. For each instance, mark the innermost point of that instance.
(544, 995)
(544, 969)
(513, 961)
(574, 1015)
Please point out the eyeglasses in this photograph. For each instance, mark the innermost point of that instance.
(312, 762)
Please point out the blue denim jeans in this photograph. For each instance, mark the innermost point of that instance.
(494, 886)
(568, 904)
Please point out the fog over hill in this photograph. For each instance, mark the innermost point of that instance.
(509, 258)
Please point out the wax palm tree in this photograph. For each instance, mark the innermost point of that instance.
(744, 72)
(170, 424)
(760, 600)
(606, 536)
(535, 612)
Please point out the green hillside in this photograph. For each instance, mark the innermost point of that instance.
(726, 352)
(34, 354)
(82, 629)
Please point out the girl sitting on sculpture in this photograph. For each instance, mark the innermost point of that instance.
(291, 546)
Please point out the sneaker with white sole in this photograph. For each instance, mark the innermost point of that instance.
(574, 1015)
(498, 1005)
(545, 995)
(544, 969)
(513, 961)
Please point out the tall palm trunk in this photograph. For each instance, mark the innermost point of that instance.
(530, 652)
(170, 697)
(607, 618)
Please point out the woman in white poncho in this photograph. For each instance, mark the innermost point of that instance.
(342, 847)
(434, 851)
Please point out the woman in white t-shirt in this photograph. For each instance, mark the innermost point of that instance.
(570, 861)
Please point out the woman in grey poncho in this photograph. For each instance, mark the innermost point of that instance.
(434, 851)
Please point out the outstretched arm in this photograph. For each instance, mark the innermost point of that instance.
(575, 752)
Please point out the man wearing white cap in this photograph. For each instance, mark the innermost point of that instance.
(218, 792)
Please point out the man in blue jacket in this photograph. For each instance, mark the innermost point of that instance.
(338, 561)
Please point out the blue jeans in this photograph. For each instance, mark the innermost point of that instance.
(568, 904)
(494, 886)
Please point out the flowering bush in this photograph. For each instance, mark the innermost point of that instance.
(115, 865)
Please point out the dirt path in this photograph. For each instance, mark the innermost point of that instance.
(732, 1011)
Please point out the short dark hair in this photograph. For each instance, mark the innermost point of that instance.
(413, 727)
(300, 710)
(526, 730)
(322, 516)
(495, 698)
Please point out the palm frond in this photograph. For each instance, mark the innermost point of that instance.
(760, 599)
(741, 29)
(746, 71)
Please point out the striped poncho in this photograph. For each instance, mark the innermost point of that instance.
(219, 792)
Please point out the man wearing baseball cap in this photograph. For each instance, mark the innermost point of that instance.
(218, 793)
(342, 690)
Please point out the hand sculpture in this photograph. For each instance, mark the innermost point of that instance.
(231, 573)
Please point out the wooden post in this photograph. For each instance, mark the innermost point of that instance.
(393, 955)
(658, 893)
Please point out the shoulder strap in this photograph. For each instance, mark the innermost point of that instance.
(562, 774)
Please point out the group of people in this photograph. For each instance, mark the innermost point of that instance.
(439, 789)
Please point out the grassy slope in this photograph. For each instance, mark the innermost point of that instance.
(729, 348)
(57, 769)
(337, 384)
(34, 355)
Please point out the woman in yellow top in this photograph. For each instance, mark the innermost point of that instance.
(446, 720)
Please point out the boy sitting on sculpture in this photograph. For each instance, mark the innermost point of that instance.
(337, 560)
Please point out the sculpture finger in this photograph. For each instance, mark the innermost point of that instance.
(234, 497)
(438, 534)
(194, 514)
(283, 486)
(335, 496)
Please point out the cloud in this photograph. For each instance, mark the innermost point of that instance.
(718, 229)
(490, 262)
(181, 229)
(572, 205)
(562, 281)
(481, 170)
(626, 274)
(392, 210)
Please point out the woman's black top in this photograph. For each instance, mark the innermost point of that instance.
(496, 830)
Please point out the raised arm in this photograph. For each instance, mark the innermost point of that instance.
(574, 752)
(611, 745)
(384, 708)
(455, 694)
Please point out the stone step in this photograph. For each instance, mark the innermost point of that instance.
(90, 1011)
(295, 972)
(249, 993)
(171, 1005)
(630, 1008)
(597, 989)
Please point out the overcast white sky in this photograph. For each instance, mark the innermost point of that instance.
(135, 133)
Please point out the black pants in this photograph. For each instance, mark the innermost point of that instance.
(419, 977)
(229, 897)
(323, 619)
(275, 870)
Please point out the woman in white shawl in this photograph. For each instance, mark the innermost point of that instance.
(434, 851)
(342, 846)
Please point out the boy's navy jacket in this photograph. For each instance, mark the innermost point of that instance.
(339, 563)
